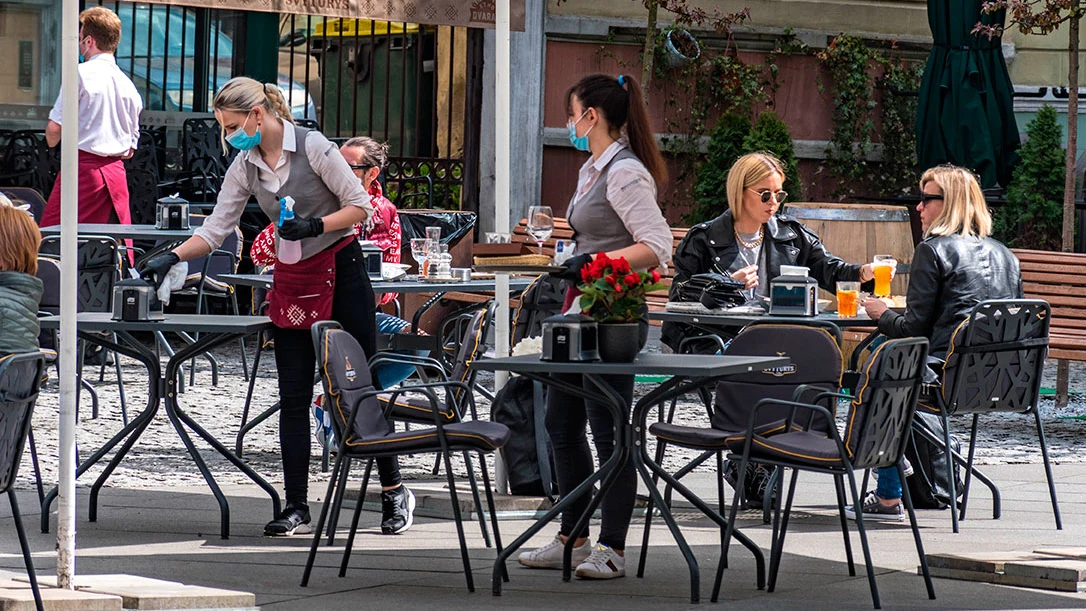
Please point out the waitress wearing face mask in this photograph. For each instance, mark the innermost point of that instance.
(279, 159)
(614, 210)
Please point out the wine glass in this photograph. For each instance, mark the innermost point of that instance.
(540, 224)
(419, 251)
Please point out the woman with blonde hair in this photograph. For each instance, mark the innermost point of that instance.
(956, 266)
(752, 240)
(279, 159)
(20, 290)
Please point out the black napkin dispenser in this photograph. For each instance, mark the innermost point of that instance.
(135, 300)
(172, 213)
(570, 338)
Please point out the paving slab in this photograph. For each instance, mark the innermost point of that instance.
(1066, 552)
(1009, 580)
(1055, 570)
(145, 593)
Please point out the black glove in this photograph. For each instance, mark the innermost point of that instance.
(299, 228)
(571, 269)
(156, 268)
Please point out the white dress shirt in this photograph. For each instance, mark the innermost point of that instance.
(109, 108)
(631, 191)
(325, 160)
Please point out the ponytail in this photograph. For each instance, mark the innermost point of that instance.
(277, 102)
(619, 101)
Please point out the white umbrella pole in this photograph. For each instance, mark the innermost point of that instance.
(501, 196)
(69, 206)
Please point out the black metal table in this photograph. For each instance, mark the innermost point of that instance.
(742, 320)
(124, 232)
(162, 388)
(687, 372)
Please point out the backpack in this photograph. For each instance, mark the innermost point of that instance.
(928, 484)
(520, 405)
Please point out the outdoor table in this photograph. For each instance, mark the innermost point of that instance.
(125, 232)
(214, 331)
(742, 320)
(686, 373)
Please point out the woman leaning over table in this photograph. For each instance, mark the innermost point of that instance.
(956, 266)
(280, 159)
(614, 211)
(751, 240)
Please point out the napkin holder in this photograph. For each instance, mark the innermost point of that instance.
(371, 260)
(135, 300)
(570, 338)
(793, 293)
(172, 213)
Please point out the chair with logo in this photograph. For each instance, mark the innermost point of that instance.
(813, 375)
(364, 431)
(20, 377)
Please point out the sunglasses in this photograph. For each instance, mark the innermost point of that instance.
(779, 196)
(363, 167)
(929, 197)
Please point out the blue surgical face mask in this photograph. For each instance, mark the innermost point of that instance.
(579, 142)
(241, 140)
(80, 45)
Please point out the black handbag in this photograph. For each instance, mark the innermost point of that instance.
(712, 290)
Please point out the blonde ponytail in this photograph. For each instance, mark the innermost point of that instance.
(278, 102)
(241, 94)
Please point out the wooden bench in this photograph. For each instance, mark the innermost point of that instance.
(1060, 279)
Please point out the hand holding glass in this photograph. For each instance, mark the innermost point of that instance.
(848, 298)
(884, 267)
(540, 224)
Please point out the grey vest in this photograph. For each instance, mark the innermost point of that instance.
(312, 198)
(596, 225)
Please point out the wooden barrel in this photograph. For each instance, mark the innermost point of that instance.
(858, 232)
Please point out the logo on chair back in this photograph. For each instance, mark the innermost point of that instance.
(348, 370)
(780, 372)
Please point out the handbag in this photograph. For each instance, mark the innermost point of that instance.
(712, 290)
(303, 291)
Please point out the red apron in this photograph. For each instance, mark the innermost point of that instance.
(103, 193)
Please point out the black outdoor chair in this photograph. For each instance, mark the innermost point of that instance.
(29, 195)
(20, 378)
(364, 431)
(877, 430)
(30, 161)
(542, 299)
(815, 371)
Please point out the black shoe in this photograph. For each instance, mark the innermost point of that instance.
(397, 510)
(293, 520)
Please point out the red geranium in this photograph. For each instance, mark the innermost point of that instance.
(613, 292)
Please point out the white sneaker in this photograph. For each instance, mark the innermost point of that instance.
(604, 563)
(550, 555)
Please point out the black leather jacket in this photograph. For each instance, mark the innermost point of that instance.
(711, 247)
(948, 277)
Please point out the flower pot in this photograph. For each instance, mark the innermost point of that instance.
(619, 342)
(680, 48)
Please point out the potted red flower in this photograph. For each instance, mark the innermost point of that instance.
(614, 295)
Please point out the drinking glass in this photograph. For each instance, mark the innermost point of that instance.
(848, 298)
(884, 266)
(419, 252)
(540, 224)
(433, 233)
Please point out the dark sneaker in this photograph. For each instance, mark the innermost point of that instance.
(874, 510)
(293, 520)
(397, 510)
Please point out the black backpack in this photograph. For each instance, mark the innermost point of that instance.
(928, 484)
(520, 405)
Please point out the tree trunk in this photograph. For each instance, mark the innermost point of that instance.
(649, 54)
(1072, 132)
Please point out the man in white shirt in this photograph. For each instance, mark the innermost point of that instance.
(109, 112)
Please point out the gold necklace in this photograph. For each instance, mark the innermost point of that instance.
(751, 245)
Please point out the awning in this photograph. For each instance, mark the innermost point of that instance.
(965, 114)
(468, 13)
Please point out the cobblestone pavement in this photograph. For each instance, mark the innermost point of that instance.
(159, 459)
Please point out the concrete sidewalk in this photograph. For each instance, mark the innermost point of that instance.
(172, 534)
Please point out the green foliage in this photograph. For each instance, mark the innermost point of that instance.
(771, 134)
(898, 172)
(847, 58)
(710, 183)
(1033, 214)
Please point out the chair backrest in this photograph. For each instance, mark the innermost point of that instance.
(472, 345)
(880, 416)
(99, 268)
(29, 195)
(996, 357)
(142, 196)
(49, 274)
(31, 156)
(542, 299)
(202, 148)
(20, 377)
(816, 360)
(346, 376)
(145, 157)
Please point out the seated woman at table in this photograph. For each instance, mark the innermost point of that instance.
(956, 266)
(751, 241)
(20, 290)
(279, 159)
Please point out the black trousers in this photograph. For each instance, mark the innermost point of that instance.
(353, 307)
(567, 416)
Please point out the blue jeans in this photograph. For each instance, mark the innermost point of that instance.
(889, 487)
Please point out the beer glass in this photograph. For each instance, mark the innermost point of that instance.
(848, 298)
(884, 266)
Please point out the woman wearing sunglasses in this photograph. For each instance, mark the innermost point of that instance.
(751, 241)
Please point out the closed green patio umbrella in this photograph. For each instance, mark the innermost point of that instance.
(965, 114)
